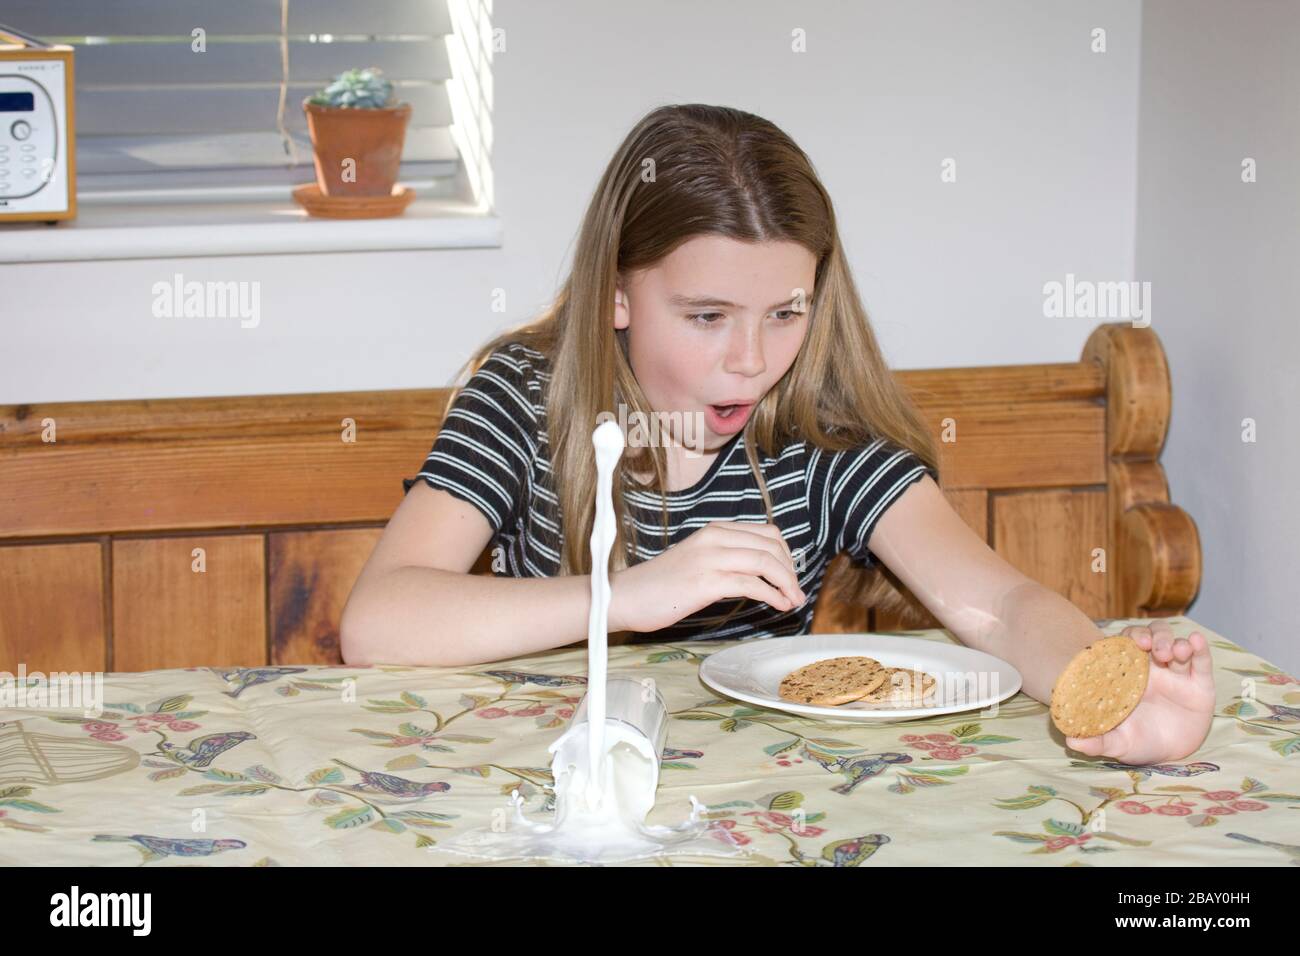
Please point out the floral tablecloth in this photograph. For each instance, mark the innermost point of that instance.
(374, 765)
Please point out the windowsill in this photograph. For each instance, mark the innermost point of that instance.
(167, 230)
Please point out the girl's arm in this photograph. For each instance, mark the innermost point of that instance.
(991, 606)
(415, 601)
(987, 603)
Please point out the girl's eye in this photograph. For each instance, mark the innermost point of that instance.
(710, 318)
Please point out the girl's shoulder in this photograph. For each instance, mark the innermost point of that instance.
(520, 371)
(527, 364)
(867, 460)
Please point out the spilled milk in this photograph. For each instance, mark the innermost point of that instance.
(606, 764)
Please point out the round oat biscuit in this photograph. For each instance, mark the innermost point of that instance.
(1099, 687)
(836, 680)
(910, 686)
(904, 686)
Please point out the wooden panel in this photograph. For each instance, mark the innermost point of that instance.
(311, 576)
(224, 462)
(1050, 444)
(1004, 384)
(1050, 536)
(150, 421)
(834, 613)
(224, 484)
(973, 508)
(52, 608)
(166, 614)
(213, 462)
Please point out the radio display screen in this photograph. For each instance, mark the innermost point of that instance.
(17, 102)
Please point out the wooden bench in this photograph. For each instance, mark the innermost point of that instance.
(137, 535)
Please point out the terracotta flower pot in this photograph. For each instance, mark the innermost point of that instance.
(371, 139)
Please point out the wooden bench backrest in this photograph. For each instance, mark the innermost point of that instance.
(137, 535)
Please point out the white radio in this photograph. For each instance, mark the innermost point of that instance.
(38, 179)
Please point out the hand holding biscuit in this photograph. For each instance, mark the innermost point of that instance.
(1173, 714)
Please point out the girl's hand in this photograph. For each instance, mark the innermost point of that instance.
(1173, 716)
(721, 560)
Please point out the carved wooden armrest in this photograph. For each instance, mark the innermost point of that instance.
(1155, 556)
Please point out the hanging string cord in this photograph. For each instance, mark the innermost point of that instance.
(290, 148)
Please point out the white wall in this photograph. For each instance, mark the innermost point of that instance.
(1220, 83)
(1045, 133)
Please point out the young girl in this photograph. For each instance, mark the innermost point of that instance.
(711, 308)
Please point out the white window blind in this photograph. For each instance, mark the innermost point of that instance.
(152, 113)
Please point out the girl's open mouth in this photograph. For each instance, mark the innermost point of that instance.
(728, 419)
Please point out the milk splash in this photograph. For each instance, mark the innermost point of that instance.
(606, 763)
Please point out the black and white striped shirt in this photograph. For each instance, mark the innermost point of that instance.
(492, 451)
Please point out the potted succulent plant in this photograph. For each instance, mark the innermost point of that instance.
(357, 132)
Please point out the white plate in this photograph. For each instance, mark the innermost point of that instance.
(965, 679)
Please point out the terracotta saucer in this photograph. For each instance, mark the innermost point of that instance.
(317, 203)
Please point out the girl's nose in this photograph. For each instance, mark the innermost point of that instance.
(745, 350)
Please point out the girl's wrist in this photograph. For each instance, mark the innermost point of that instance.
(614, 621)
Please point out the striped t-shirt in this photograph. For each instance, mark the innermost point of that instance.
(492, 451)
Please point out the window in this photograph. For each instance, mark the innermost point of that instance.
(201, 99)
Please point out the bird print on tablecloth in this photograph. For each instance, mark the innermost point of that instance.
(246, 677)
(1289, 849)
(393, 786)
(1146, 770)
(860, 768)
(672, 753)
(156, 848)
(856, 767)
(201, 751)
(855, 851)
(1281, 714)
(523, 677)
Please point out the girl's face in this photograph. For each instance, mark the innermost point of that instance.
(715, 324)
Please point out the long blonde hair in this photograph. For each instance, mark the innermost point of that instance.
(684, 171)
